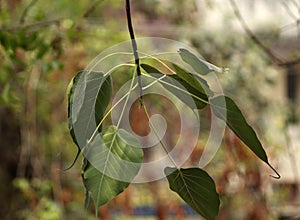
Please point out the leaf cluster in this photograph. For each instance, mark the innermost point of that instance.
(113, 156)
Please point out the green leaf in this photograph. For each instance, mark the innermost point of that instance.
(193, 80)
(100, 187)
(96, 99)
(200, 66)
(114, 159)
(225, 108)
(70, 92)
(182, 85)
(103, 99)
(196, 188)
(90, 99)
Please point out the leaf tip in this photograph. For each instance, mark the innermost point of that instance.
(74, 161)
(277, 174)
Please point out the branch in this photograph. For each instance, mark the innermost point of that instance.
(91, 9)
(26, 10)
(134, 45)
(237, 13)
(276, 60)
(40, 24)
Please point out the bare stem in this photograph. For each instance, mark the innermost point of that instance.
(134, 46)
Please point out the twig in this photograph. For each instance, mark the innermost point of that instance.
(26, 10)
(91, 9)
(134, 47)
(41, 24)
(32, 26)
(274, 58)
(288, 10)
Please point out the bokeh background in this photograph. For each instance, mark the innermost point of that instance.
(44, 43)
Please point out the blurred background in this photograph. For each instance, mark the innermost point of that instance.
(44, 43)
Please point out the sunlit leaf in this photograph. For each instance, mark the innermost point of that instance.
(114, 159)
(200, 66)
(100, 187)
(196, 188)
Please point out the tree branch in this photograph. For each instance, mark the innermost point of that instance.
(237, 13)
(26, 10)
(275, 59)
(91, 9)
(134, 45)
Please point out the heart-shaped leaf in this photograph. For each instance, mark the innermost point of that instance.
(196, 188)
(114, 159)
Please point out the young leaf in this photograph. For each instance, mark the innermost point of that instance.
(114, 159)
(100, 187)
(182, 86)
(196, 188)
(200, 66)
(235, 120)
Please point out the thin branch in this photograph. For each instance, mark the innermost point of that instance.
(32, 26)
(297, 4)
(275, 59)
(134, 46)
(26, 10)
(288, 10)
(92, 8)
(41, 24)
(237, 13)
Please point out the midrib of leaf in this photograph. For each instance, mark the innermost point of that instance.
(187, 188)
(114, 136)
(108, 112)
(176, 87)
(98, 89)
(107, 56)
(160, 61)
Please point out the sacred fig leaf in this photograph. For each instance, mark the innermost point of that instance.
(96, 97)
(90, 100)
(100, 187)
(114, 159)
(70, 92)
(182, 85)
(225, 109)
(200, 66)
(193, 80)
(196, 188)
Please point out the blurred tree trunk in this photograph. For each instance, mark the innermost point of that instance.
(9, 143)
